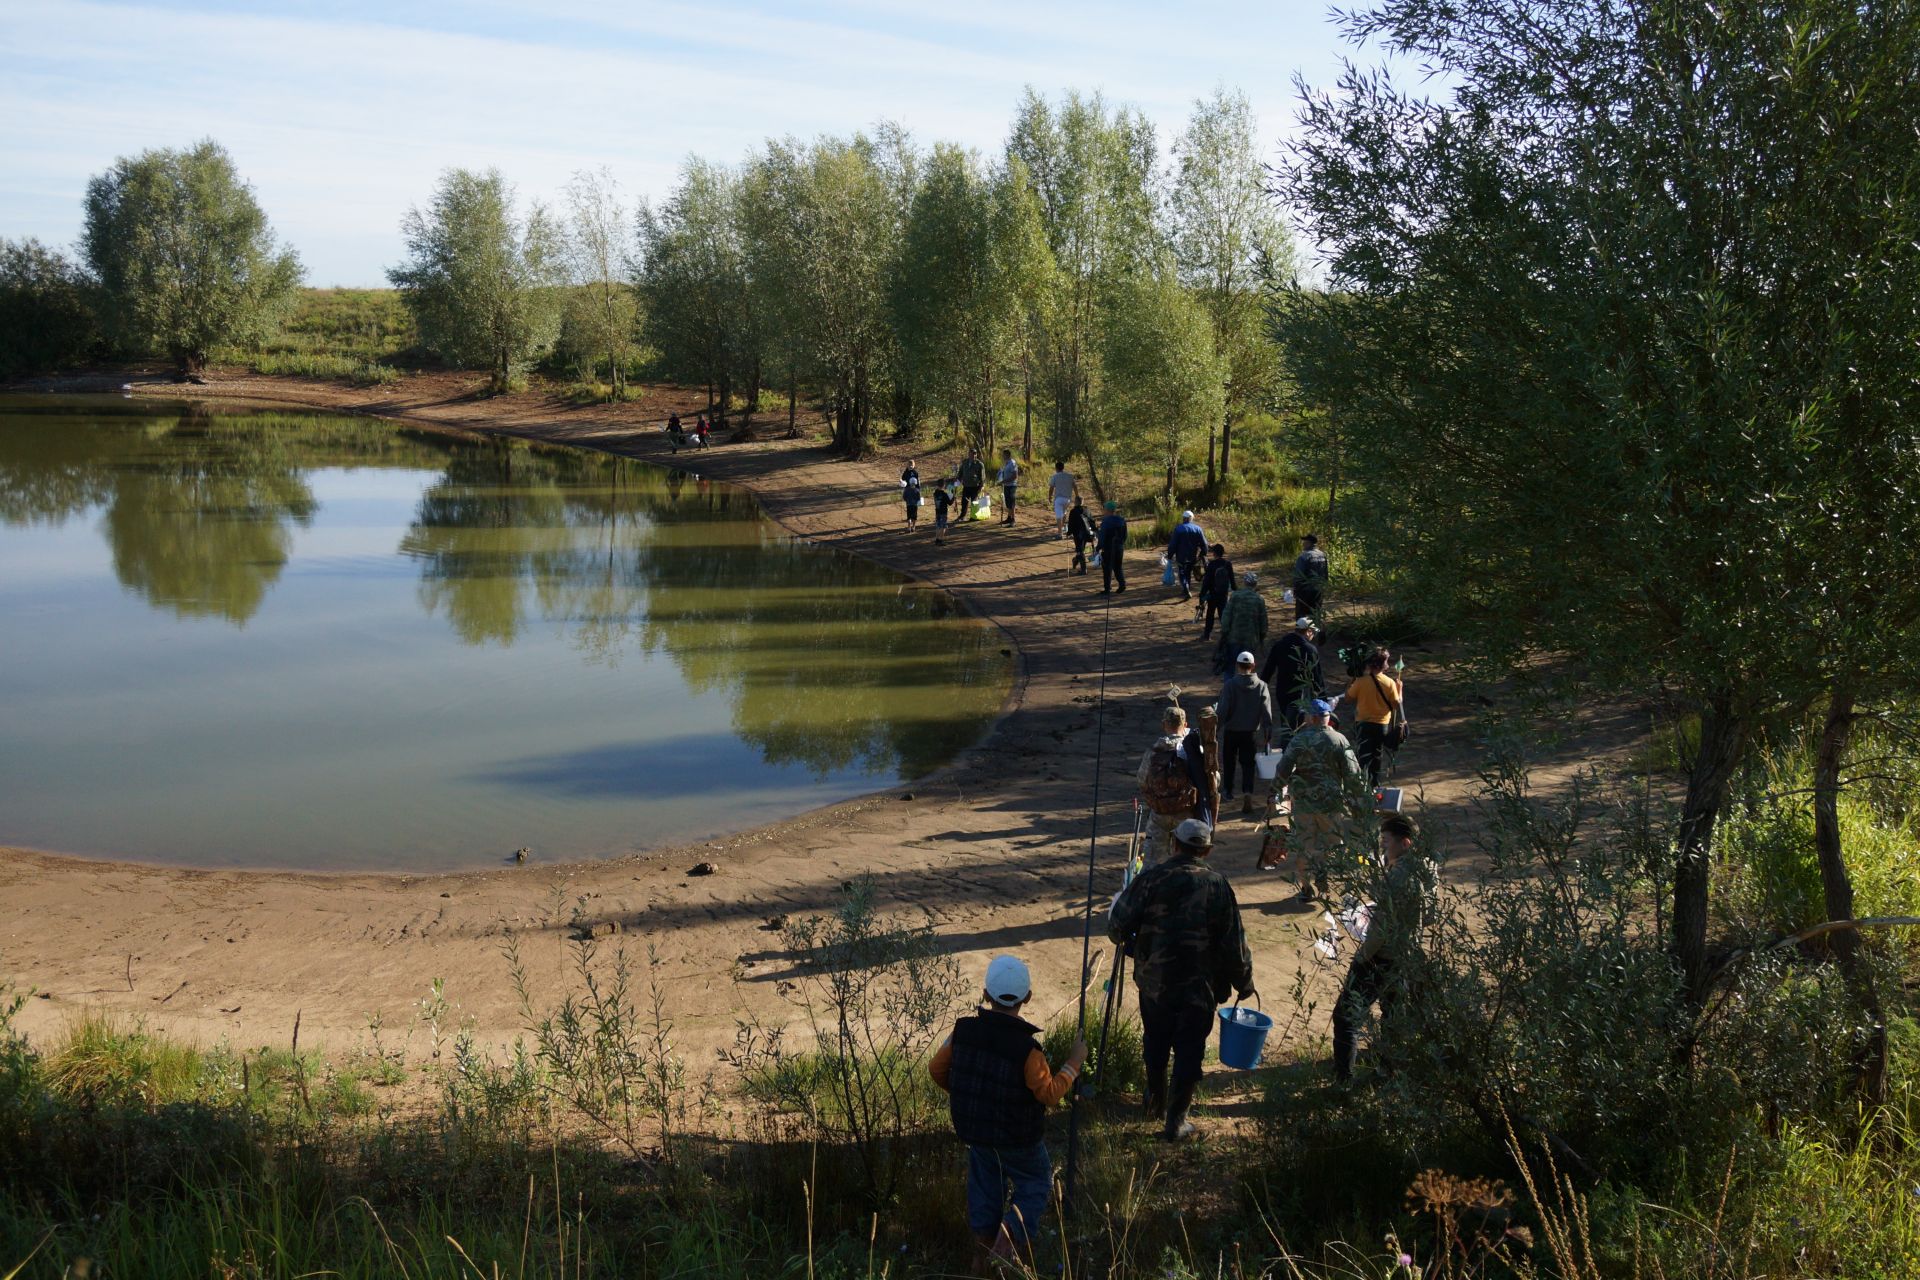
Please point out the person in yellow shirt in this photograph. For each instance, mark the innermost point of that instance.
(1376, 700)
(1000, 1087)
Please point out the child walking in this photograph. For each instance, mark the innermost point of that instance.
(910, 493)
(999, 1087)
(942, 499)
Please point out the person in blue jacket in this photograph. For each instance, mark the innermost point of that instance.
(1185, 548)
(1113, 546)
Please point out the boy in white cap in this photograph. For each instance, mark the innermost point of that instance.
(999, 1087)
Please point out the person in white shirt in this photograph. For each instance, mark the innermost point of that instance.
(1063, 488)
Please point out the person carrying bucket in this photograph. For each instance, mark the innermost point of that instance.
(999, 1087)
(1392, 931)
(1180, 923)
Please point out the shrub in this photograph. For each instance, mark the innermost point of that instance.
(1122, 1072)
(46, 309)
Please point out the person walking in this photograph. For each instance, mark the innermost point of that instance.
(1181, 924)
(1243, 623)
(676, 434)
(1113, 546)
(1216, 584)
(911, 475)
(1391, 936)
(973, 477)
(1065, 492)
(1309, 578)
(1322, 778)
(1203, 744)
(998, 1088)
(1009, 479)
(1292, 671)
(1172, 783)
(942, 501)
(910, 494)
(1246, 726)
(1379, 715)
(1185, 547)
(1080, 529)
(700, 432)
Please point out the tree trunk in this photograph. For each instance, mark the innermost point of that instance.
(1213, 479)
(793, 401)
(1226, 446)
(1027, 390)
(1870, 1056)
(1722, 733)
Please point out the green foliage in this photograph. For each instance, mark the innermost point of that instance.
(1122, 1074)
(105, 1064)
(482, 282)
(1164, 383)
(46, 309)
(183, 255)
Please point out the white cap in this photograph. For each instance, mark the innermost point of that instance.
(1194, 832)
(1187, 516)
(1303, 622)
(1007, 981)
(1245, 658)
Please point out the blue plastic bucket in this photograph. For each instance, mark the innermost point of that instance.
(1243, 1036)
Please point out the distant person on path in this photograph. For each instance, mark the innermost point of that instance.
(998, 1087)
(1216, 584)
(676, 434)
(1203, 744)
(942, 500)
(910, 494)
(1379, 716)
(1172, 783)
(1185, 548)
(1246, 726)
(700, 432)
(1309, 578)
(1113, 546)
(912, 473)
(1080, 529)
(1323, 778)
(1009, 482)
(1392, 933)
(1181, 924)
(1243, 623)
(1065, 491)
(973, 477)
(1292, 671)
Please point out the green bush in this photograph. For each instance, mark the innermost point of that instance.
(1122, 1073)
(46, 309)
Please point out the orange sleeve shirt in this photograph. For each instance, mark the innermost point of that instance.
(1046, 1084)
(1370, 706)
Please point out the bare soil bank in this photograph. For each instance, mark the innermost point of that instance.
(991, 851)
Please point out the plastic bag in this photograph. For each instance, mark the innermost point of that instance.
(1166, 572)
(1095, 562)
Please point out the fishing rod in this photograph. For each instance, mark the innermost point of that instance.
(1117, 974)
(1086, 925)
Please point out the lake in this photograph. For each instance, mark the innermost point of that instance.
(318, 642)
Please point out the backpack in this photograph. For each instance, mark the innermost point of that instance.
(1168, 789)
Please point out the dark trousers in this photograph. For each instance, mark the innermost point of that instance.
(1366, 982)
(1008, 490)
(1112, 568)
(968, 492)
(1079, 555)
(1183, 573)
(1306, 601)
(1213, 615)
(1236, 748)
(1010, 1187)
(1176, 1030)
(1370, 745)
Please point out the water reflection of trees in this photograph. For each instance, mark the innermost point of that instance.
(826, 662)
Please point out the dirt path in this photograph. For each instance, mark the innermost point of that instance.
(992, 851)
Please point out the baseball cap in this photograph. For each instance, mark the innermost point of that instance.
(1303, 622)
(1008, 982)
(1186, 515)
(1195, 832)
(1321, 707)
(1112, 505)
(1245, 657)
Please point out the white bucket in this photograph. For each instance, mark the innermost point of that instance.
(1266, 764)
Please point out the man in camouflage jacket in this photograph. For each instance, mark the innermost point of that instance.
(1323, 777)
(1181, 924)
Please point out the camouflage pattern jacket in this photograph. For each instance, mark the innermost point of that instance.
(1181, 924)
(1320, 766)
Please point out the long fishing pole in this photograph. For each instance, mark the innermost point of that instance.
(1086, 925)
(1117, 974)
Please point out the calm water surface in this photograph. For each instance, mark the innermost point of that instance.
(297, 640)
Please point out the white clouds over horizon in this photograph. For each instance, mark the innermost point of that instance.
(342, 114)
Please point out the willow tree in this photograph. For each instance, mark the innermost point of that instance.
(183, 256)
(692, 276)
(972, 261)
(1230, 240)
(482, 282)
(1608, 369)
(601, 314)
(1163, 383)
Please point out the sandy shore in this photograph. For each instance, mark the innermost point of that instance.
(991, 852)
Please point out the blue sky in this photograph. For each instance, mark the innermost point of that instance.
(342, 114)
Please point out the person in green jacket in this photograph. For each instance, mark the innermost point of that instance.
(1243, 624)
